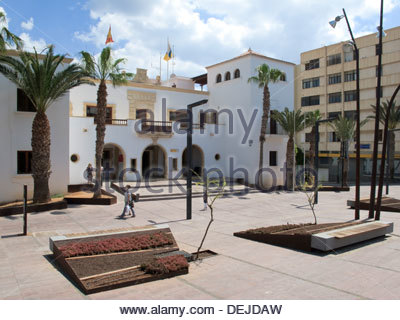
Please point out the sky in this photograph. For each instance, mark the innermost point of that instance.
(202, 32)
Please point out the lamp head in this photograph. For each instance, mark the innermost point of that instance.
(383, 32)
(337, 19)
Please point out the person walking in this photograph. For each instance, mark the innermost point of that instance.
(128, 203)
(89, 173)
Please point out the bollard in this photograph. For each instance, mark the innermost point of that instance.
(25, 210)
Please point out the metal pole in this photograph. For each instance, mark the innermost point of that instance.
(376, 133)
(342, 156)
(294, 150)
(316, 160)
(189, 166)
(304, 151)
(382, 168)
(388, 164)
(25, 210)
(358, 134)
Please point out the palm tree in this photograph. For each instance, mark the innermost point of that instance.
(291, 122)
(7, 39)
(311, 119)
(265, 76)
(394, 121)
(103, 69)
(42, 81)
(345, 131)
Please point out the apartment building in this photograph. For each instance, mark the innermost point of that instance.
(326, 80)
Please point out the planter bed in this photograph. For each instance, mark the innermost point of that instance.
(334, 188)
(98, 262)
(294, 236)
(328, 189)
(388, 204)
(80, 187)
(17, 207)
(86, 197)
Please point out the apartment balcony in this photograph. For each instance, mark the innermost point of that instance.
(195, 126)
(155, 128)
(114, 122)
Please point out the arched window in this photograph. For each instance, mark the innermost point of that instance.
(227, 76)
(236, 74)
(219, 78)
(283, 77)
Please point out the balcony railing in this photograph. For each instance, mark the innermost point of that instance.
(185, 125)
(116, 122)
(119, 122)
(150, 126)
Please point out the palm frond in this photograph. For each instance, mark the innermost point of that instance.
(345, 128)
(394, 117)
(265, 75)
(7, 38)
(40, 78)
(312, 117)
(290, 121)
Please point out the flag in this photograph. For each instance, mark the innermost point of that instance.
(109, 36)
(168, 54)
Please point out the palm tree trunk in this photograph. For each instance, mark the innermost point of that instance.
(41, 157)
(345, 171)
(289, 163)
(392, 147)
(263, 131)
(100, 133)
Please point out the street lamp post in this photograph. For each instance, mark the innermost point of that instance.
(376, 133)
(189, 151)
(358, 139)
(382, 169)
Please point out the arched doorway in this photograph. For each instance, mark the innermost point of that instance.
(198, 160)
(153, 162)
(113, 160)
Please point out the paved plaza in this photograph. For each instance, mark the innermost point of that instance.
(242, 269)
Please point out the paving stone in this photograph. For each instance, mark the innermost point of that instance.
(242, 269)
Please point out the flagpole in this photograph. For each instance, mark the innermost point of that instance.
(160, 66)
(168, 59)
(173, 58)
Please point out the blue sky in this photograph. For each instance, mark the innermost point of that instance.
(203, 32)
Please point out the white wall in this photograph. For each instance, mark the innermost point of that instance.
(15, 133)
(238, 95)
(235, 95)
(180, 82)
(83, 134)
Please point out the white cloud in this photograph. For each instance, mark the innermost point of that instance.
(28, 25)
(30, 44)
(5, 22)
(208, 31)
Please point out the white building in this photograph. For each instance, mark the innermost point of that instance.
(16, 116)
(142, 131)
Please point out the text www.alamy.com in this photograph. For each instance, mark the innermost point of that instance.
(180, 311)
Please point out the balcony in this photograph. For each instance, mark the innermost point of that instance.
(115, 122)
(196, 126)
(155, 128)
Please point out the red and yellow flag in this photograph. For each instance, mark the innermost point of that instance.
(109, 36)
